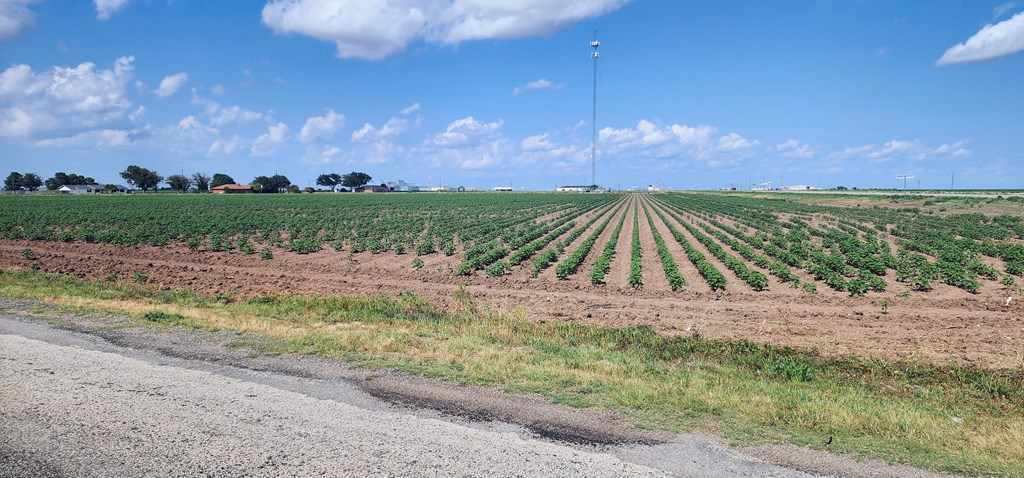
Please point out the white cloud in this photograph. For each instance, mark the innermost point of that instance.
(992, 41)
(171, 84)
(536, 85)
(327, 155)
(63, 97)
(135, 115)
(188, 123)
(795, 149)
(218, 90)
(411, 109)
(322, 127)
(270, 141)
(15, 16)
(374, 30)
(466, 131)
(105, 8)
(394, 127)
(903, 150)
(538, 142)
(1001, 9)
(89, 140)
(226, 146)
(233, 115)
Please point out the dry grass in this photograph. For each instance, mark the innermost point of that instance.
(749, 393)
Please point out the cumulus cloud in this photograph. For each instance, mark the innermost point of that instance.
(226, 146)
(901, 149)
(795, 149)
(105, 8)
(270, 141)
(233, 115)
(992, 41)
(14, 17)
(63, 97)
(322, 127)
(393, 127)
(536, 85)
(466, 131)
(96, 139)
(375, 29)
(171, 84)
(218, 90)
(411, 109)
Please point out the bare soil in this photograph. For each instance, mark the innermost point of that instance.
(940, 326)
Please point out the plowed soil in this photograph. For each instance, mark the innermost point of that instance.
(946, 324)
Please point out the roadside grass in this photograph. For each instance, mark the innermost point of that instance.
(952, 418)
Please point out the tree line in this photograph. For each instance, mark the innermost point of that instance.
(146, 179)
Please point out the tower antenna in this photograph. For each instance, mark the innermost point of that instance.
(593, 148)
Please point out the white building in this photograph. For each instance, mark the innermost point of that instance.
(502, 189)
(92, 189)
(573, 189)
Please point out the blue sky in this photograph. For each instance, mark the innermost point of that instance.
(483, 93)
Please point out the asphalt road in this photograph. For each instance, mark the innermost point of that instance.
(76, 404)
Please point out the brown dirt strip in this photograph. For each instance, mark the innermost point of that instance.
(618, 273)
(694, 281)
(732, 280)
(654, 274)
(955, 326)
(548, 275)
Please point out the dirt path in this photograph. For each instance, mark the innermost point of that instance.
(694, 281)
(618, 274)
(733, 282)
(654, 273)
(953, 325)
(549, 274)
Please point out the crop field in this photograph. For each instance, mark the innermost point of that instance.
(888, 281)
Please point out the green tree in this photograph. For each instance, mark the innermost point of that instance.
(272, 184)
(354, 180)
(201, 181)
(179, 182)
(64, 179)
(141, 178)
(13, 181)
(31, 181)
(331, 180)
(220, 179)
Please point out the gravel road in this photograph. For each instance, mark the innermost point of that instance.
(78, 404)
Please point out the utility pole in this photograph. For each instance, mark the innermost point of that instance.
(952, 177)
(905, 177)
(593, 151)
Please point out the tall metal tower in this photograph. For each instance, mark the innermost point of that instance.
(593, 151)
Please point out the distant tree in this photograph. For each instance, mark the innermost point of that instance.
(179, 182)
(840, 188)
(31, 181)
(64, 179)
(220, 179)
(201, 181)
(354, 180)
(331, 180)
(141, 178)
(13, 181)
(309, 190)
(294, 189)
(110, 188)
(272, 184)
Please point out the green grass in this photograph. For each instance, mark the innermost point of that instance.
(747, 392)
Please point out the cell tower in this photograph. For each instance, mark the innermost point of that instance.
(593, 148)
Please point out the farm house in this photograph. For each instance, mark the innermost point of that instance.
(92, 189)
(231, 189)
